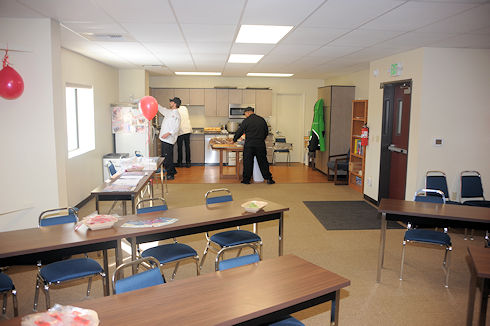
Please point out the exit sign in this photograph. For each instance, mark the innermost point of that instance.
(396, 69)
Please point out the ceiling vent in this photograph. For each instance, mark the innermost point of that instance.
(108, 37)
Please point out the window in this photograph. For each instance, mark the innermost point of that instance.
(80, 124)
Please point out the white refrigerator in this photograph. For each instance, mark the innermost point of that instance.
(132, 131)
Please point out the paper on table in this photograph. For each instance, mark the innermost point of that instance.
(160, 221)
(126, 182)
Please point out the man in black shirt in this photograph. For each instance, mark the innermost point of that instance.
(255, 129)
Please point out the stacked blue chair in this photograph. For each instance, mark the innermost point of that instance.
(166, 253)
(437, 180)
(428, 236)
(150, 277)
(472, 191)
(6, 287)
(251, 259)
(228, 240)
(64, 270)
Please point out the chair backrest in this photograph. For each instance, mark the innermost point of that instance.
(430, 195)
(436, 180)
(471, 186)
(141, 280)
(58, 216)
(216, 196)
(238, 261)
(138, 153)
(112, 168)
(140, 209)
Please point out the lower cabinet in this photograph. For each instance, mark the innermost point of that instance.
(197, 149)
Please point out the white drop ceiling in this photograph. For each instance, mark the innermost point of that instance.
(330, 37)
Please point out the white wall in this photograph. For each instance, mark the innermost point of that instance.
(84, 172)
(450, 100)
(307, 88)
(28, 167)
(359, 79)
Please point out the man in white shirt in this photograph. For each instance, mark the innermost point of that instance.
(169, 132)
(184, 137)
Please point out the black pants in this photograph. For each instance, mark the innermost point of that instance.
(248, 162)
(184, 139)
(168, 154)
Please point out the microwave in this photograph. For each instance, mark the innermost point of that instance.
(237, 111)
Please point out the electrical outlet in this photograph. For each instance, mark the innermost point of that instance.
(369, 182)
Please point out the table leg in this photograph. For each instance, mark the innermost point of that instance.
(382, 241)
(123, 204)
(132, 240)
(237, 166)
(133, 205)
(471, 296)
(119, 258)
(221, 163)
(484, 302)
(161, 180)
(151, 188)
(334, 315)
(97, 204)
(106, 269)
(281, 230)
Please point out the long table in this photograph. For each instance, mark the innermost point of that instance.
(251, 295)
(191, 220)
(479, 259)
(102, 193)
(460, 216)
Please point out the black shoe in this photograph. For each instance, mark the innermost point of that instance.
(246, 182)
(270, 181)
(170, 177)
(188, 165)
(178, 165)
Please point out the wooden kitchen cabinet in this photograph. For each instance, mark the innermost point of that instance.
(263, 102)
(235, 96)
(196, 96)
(210, 102)
(248, 97)
(184, 95)
(162, 95)
(222, 103)
(197, 148)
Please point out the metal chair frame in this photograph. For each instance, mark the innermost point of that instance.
(280, 146)
(13, 291)
(46, 284)
(211, 245)
(145, 261)
(463, 196)
(177, 261)
(445, 263)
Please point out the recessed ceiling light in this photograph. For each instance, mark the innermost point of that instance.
(245, 58)
(267, 34)
(267, 74)
(197, 73)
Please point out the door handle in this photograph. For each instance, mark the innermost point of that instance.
(393, 148)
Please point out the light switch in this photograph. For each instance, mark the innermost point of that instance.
(437, 142)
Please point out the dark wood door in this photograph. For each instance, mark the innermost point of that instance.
(394, 140)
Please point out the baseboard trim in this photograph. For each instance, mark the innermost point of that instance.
(372, 201)
(84, 202)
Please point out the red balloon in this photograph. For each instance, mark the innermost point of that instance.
(149, 107)
(11, 83)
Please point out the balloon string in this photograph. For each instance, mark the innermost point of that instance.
(6, 58)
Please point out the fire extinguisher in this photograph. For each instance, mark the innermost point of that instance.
(364, 135)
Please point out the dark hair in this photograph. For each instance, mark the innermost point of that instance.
(248, 109)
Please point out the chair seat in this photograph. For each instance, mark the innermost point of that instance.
(70, 269)
(235, 237)
(281, 150)
(479, 203)
(344, 166)
(158, 208)
(429, 236)
(289, 321)
(167, 253)
(6, 283)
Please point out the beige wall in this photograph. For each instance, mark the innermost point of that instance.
(307, 88)
(84, 172)
(132, 84)
(449, 100)
(360, 79)
(28, 167)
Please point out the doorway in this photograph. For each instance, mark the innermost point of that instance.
(394, 139)
(289, 112)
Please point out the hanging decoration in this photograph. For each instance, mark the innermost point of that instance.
(11, 83)
(149, 107)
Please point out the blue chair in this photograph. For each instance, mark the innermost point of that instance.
(251, 259)
(472, 192)
(228, 240)
(165, 253)
(428, 236)
(64, 270)
(6, 287)
(280, 146)
(340, 166)
(111, 168)
(150, 277)
(437, 180)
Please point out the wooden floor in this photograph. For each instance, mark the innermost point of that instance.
(281, 173)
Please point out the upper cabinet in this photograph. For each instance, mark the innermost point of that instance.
(196, 96)
(222, 102)
(184, 95)
(162, 95)
(248, 96)
(235, 96)
(263, 102)
(210, 102)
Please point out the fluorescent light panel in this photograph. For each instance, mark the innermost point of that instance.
(245, 58)
(267, 74)
(197, 73)
(267, 34)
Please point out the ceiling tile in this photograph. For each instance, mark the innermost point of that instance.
(154, 32)
(292, 12)
(412, 40)
(251, 48)
(313, 35)
(349, 14)
(331, 52)
(13, 9)
(363, 38)
(466, 41)
(69, 10)
(209, 47)
(208, 33)
(213, 12)
(413, 15)
(96, 28)
(141, 11)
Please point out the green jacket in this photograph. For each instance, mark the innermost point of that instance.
(318, 125)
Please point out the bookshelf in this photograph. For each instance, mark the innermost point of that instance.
(357, 152)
